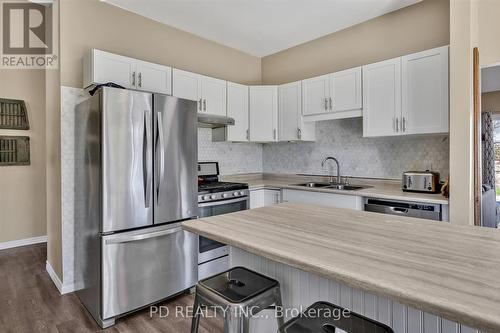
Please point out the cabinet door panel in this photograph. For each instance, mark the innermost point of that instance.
(382, 98)
(425, 94)
(109, 67)
(289, 111)
(237, 108)
(154, 78)
(257, 199)
(345, 90)
(272, 197)
(263, 102)
(213, 93)
(314, 94)
(186, 85)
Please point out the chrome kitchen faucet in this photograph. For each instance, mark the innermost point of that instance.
(338, 168)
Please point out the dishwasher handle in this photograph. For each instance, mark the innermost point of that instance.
(399, 210)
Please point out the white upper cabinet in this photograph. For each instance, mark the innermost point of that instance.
(213, 94)
(237, 108)
(332, 96)
(382, 98)
(315, 93)
(263, 101)
(101, 67)
(187, 85)
(154, 78)
(291, 124)
(209, 93)
(345, 90)
(407, 95)
(425, 92)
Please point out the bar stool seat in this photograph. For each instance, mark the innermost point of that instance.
(242, 292)
(323, 317)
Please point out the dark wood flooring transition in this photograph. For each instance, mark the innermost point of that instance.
(30, 302)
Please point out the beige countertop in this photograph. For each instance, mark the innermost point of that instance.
(384, 189)
(448, 270)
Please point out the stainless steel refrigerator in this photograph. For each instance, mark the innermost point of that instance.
(135, 180)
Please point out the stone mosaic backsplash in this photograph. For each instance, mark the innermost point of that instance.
(384, 157)
(233, 158)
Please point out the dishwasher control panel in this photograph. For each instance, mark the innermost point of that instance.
(404, 208)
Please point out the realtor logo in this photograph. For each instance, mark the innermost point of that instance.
(27, 35)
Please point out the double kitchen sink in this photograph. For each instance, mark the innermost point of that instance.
(342, 187)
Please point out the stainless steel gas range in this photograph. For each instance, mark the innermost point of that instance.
(216, 198)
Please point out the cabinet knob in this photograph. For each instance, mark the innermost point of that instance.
(199, 105)
(331, 103)
(140, 79)
(397, 124)
(326, 104)
(404, 124)
(133, 79)
(299, 133)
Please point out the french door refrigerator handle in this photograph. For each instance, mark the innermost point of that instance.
(147, 156)
(134, 238)
(159, 123)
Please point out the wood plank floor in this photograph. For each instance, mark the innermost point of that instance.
(30, 302)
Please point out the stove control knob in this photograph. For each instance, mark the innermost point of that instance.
(242, 193)
(235, 194)
(206, 197)
(213, 196)
(225, 195)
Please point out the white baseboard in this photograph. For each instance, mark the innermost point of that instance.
(63, 289)
(23, 242)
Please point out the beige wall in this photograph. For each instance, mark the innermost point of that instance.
(415, 28)
(490, 101)
(22, 203)
(488, 12)
(91, 23)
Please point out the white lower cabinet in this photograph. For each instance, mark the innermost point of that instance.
(324, 199)
(264, 197)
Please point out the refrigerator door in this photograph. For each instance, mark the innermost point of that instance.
(127, 158)
(145, 266)
(176, 158)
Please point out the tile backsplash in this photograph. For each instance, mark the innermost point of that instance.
(233, 158)
(384, 157)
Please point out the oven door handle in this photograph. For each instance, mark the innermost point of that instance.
(222, 202)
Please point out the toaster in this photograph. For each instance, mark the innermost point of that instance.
(421, 181)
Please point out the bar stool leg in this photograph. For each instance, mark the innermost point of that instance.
(195, 321)
(246, 324)
(233, 321)
(279, 304)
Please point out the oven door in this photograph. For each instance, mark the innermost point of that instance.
(210, 249)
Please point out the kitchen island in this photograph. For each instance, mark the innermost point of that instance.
(416, 275)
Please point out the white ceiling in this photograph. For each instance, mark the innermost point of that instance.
(490, 79)
(261, 27)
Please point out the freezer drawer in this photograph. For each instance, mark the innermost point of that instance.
(145, 266)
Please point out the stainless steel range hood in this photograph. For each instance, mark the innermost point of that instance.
(217, 123)
(214, 121)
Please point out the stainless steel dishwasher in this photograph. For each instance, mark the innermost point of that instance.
(404, 208)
